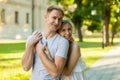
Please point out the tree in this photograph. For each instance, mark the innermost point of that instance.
(108, 6)
(95, 14)
(115, 19)
(76, 14)
(78, 19)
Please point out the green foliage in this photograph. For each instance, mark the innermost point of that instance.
(63, 2)
(94, 26)
(66, 2)
(82, 13)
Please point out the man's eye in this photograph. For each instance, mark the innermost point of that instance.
(54, 17)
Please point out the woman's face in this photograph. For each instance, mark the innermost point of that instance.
(66, 31)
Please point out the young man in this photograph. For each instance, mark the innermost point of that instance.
(43, 68)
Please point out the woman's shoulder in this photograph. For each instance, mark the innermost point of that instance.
(76, 48)
(75, 45)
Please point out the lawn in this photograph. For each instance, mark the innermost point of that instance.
(12, 51)
(10, 61)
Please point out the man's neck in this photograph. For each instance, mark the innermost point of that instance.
(48, 33)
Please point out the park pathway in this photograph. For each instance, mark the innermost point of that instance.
(107, 68)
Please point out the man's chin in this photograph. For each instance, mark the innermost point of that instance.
(53, 29)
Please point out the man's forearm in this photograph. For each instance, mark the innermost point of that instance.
(27, 59)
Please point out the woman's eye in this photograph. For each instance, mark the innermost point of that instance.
(69, 29)
(63, 30)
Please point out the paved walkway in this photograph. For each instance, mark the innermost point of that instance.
(107, 68)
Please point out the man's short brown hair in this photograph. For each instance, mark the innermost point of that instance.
(50, 8)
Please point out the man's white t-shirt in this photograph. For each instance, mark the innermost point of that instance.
(58, 46)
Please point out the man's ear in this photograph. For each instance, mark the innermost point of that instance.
(45, 16)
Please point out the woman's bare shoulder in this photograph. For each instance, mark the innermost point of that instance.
(75, 45)
(75, 51)
(75, 48)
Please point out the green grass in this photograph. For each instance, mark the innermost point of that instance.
(91, 49)
(12, 47)
(10, 61)
(12, 51)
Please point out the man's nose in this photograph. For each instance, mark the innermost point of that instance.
(56, 21)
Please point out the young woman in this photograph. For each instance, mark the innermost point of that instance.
(74, 68)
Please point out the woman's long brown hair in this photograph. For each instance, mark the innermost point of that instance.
(70, 41)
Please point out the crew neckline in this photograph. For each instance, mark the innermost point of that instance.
(50, 37)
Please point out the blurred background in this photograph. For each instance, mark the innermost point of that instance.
(96, 28)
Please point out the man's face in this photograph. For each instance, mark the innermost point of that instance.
(53, 20)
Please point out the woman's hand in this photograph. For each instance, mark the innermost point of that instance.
(42, 49)
(47, 52)
(35, 38)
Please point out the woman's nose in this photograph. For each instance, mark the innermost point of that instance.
(67, 32)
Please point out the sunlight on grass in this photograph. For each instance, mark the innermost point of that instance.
(14, 74)
(91, 48)
(12, 51)
(10, 61)
(11, 41)
(10, 67)
(91, 56)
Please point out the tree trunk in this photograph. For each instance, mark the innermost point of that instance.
(80, 36)
(113, 32)
(106, 25)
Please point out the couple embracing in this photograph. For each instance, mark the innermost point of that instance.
(53, 54)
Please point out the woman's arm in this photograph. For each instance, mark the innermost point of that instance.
(27, 58)
(73, 59)
(47, 52)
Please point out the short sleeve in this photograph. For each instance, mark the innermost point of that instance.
(62, 49)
